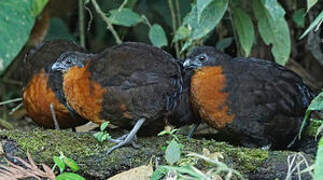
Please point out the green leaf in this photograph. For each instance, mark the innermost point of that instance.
(104, 125)
(159, 173)
(310, 4)
(71, 164)
(157, 36)
(318, 166)
(224, 43)
(299, 17)
(243, 25)
(60, 163)
(163, 132)
(316, 22)
(38, 6)
(125, 17)
(201, 5)
(173, 152)
(275, 32)
(69, 176)
(209, 18)
(16, 22)
(182, 33)
(98, 136)
(316, 105)
(186, 170)
(105, 137)
(319, 130)
(274, 9)
(187, 44)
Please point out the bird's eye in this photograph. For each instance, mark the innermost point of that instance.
(202, 58)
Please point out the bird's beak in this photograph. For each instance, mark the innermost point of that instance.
(187, 63)
(58, 67)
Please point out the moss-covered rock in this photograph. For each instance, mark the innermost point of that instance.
(95, 164)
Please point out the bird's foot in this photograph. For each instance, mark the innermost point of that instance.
(127, 138)
(123, 138)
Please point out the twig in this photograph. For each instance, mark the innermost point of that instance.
(294, 162)
(178, 13)
(52, 110)
(106, 20)
(91, 17)
(145, 20)
(10, 101)
(15, 109)
(81, 24)
(122, 5)
(10, 81)
(172, 12)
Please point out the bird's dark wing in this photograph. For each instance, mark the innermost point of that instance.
(262, 92)
(141, 81)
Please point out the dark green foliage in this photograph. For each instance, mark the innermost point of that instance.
(16, 21)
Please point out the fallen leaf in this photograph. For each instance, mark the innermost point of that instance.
(138, 173)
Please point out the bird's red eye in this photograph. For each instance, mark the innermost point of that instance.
(202, 58)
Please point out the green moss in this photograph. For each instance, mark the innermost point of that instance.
(90, 155)
(245, 160)
(46, 144)
(250, 158)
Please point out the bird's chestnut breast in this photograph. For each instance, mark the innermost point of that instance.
(37, 99)
(82, 94)
(208, 98)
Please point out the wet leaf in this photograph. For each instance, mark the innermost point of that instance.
(104, 125)
(157, 36)
(318, 167)
(243, 26)
(69, 176)
(60, 163)
(316, 105)
(315, 23)
(274, 32)
(125, 17)
(38, 6)
(16, 22)
(71, 164)
(173, 152)
(274, 9)
(182, 33)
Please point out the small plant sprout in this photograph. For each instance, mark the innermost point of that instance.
(62, 162)
(102, 135)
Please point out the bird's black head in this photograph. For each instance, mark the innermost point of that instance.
(70, 59)
(204, 56)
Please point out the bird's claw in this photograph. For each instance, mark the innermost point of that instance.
(129, 138)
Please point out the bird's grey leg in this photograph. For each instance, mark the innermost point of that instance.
(193, 129)
(52, 110)
(130, 137)
(119, 139)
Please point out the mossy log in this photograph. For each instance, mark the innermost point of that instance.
(95, 164)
